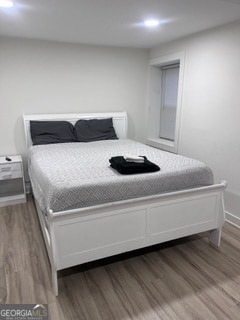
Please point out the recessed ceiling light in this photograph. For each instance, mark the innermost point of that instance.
(6, 4)
(151, 23)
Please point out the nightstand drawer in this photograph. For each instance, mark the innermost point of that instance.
(10, 175)
(10, 167)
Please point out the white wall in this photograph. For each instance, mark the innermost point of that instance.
(47, 77)
(210, 126)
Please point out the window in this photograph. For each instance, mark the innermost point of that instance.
(169, 95)
(164, 105)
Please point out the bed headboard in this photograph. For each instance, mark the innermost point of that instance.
(119, 121)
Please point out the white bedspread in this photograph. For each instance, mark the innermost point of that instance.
(76, 175)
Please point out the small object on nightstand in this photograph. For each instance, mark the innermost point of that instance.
(12, 185)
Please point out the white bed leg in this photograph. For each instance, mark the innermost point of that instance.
(215, 237)
(55, 281)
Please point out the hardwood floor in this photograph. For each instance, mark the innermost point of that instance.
(182, 279)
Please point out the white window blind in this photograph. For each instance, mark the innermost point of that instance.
(169, 96)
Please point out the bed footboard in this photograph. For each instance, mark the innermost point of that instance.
(215, 237)
(83, 235)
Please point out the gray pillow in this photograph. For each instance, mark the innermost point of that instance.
(46, 132)
(94, 130)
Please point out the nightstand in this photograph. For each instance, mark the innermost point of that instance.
(12, 186)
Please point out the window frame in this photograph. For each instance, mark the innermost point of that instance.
(154, 101)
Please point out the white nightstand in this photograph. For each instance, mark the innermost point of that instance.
(12, 186)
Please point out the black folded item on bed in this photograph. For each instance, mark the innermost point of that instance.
(124, 167)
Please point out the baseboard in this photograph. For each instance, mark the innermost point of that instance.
(232, 219)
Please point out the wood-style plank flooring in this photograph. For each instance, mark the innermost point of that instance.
(184, 279)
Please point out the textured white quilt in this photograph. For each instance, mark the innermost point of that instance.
(76, 175)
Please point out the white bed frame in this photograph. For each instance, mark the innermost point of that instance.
(86, 234)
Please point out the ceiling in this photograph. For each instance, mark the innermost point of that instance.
(114, 22)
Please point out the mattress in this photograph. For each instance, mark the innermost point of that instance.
(77, 175)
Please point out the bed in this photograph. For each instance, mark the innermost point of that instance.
(88, 211)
